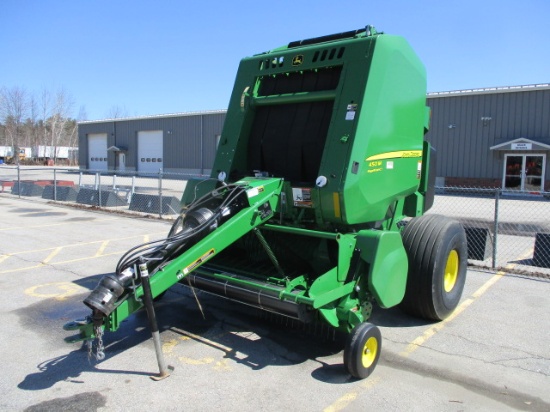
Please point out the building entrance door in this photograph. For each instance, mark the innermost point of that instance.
(523, 172)
(121, 161)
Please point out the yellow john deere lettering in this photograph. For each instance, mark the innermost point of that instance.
(395, 155)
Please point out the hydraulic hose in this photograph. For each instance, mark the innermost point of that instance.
(202, 217)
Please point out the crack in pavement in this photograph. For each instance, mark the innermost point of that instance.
(510, 397)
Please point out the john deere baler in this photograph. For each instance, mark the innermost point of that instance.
(315, 206)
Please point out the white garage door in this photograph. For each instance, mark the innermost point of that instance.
(150, 157)
(97, 151)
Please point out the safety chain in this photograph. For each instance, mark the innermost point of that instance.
(100, 349)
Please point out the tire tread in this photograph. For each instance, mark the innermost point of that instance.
(422, 238)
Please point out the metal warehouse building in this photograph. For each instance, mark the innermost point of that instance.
(180, 143)
(497, 137)
(494, 137)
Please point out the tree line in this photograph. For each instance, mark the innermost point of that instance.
(37, 119)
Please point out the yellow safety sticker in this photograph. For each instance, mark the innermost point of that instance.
(199, 261)
(395, 155)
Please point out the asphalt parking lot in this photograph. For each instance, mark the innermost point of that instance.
(492, 354)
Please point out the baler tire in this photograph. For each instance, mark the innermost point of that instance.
(362, 350)
(437, 253)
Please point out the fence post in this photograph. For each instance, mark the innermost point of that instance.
(54, 184)
(19, 180)
(99, 189)
(133, 189)
(495, 228)
(160, 193)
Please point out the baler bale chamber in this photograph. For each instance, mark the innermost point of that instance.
(315, 206)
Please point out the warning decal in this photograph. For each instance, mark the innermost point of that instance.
(199, 261)
(302, 197)
(350, 112)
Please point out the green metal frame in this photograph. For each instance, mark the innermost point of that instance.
(373, 173)
(260, 192)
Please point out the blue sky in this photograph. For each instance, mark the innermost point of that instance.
(158, 57)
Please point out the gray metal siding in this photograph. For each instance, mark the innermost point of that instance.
(182, 146)
(189, 140)
(212, 127)
(464, 151)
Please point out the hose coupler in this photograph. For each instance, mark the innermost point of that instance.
(107, 292)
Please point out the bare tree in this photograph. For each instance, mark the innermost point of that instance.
(116, 112)
(31, 130)
(60, 119)
(72, 136)
(44, 121)
(45, 112)
(82, 115)
(14, 106)
(2, 135)
(2, 120)
(55, 118)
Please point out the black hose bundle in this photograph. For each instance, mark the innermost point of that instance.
(200, 218)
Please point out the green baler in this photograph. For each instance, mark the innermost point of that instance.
(314, 208)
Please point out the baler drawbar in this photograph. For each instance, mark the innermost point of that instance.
(315, 208)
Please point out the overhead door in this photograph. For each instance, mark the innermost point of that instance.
(97, 151)
(150, 155)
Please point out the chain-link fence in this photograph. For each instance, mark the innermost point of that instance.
(144, 193)
(506, 231)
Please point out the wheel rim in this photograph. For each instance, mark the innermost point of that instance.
(451, 271)
(369, 352)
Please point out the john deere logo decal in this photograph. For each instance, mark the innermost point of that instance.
(297, 60)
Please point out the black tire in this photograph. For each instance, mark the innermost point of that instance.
(438, 258)
(362, 350)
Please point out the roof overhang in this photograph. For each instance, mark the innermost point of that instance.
(155, 116)
(117, 149)
(521, 144)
